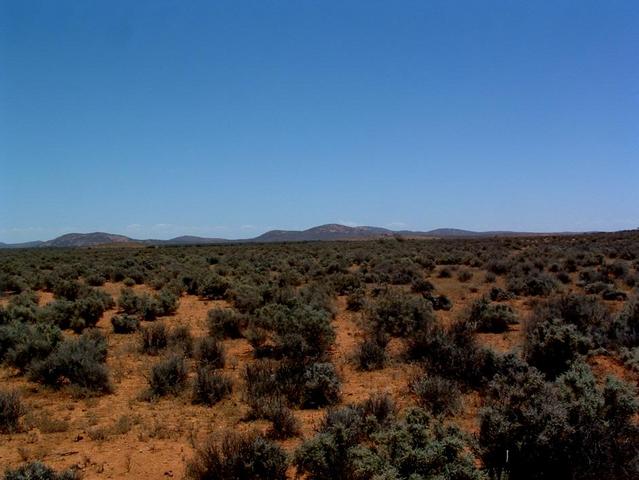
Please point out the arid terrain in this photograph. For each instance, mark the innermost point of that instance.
(458, 328)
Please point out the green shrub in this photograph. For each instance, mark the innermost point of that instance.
(166, 302)
(67, 289)
(299, 331)
(439, 395)
(213, 286)
(454, 354)
(239, 456)
(420, 285)
(226, 323)
(551, 346)
(567, 429)
(22, 344)
(464, 275)
(125, 323)
(210, 386)
(625, 328)
(11, 409)
(146, 306)
(284, 424)
(39, 471)
(168, 376)
(321, 385)
(22, 308)
(399, 314)
(96, 279)
(440, 302)
(539, 284)
(487, 317)
(78, 361)
(210, 352)
(246, 298)
(154, 339)
(356, 300)
(499, 295)
(181, 340)
(371, 355)
(445, 273)
(310, 386)
(354, 443)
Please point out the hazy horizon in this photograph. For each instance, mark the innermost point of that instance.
(258, 233)
(228, 119)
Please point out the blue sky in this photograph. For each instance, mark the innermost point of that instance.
(228, 118)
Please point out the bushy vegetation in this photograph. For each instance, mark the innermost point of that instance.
(125, 323)
(39, 471)
(398, 314)
(544, 414)
(11, 409)
(569, 428)
(168, 376)
(245, 456)
(437, 394)
(311, 386)
(146, 306)
(492, 318)
(78, 361)
(210, 386)
(453, 353)
(226, 323)
(370, 441)
(210, 352)
(371, 353)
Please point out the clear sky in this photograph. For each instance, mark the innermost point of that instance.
(228, 118)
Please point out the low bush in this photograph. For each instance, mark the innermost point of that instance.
(213, 286)
(572, 428)
(454, 354)
(168, 376)
(146, 306)
(497, 294)
(321, 385)
(181, 340)
(445, 273)
(284, 424)
(493, 318)
(356, 300)
(440, 302)
(437, 394)
(210, 386)
(22, 344)
(371, 355)
(310, 386)
(11, 409)
(226, 323)
(355, 443)
(297, 330)
(625, 327)
(464, 275)
(420, 285)
(125, 323)
(39, 471)
(552, 346)
(246, 297)
(399, 314)
(154, 339)
(79, 361)
(210, 352)
(239, 456)
(532, 284)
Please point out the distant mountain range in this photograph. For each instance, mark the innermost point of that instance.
(331, 231)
